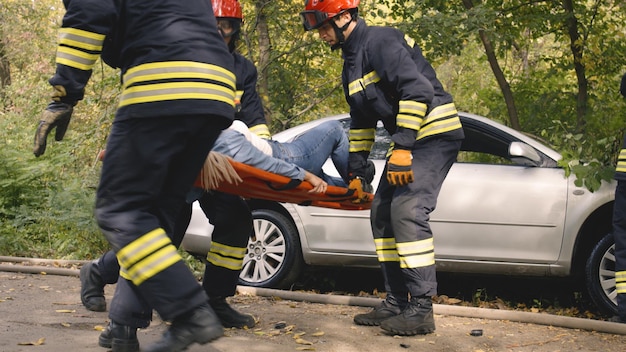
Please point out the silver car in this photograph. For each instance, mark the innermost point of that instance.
(505, 208)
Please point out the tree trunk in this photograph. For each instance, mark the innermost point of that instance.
(264, 55)
(582, 98)
(5, 70)
(505, 88)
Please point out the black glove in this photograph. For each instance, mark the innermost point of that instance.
(56, 115)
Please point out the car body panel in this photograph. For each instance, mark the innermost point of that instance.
(509, 216)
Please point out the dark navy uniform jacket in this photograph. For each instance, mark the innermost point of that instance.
(386, 77)
(248, 106)
(170, 65)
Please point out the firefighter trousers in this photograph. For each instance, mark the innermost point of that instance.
(619, 235)
(232, 227)
(400, 221)
(149, 166)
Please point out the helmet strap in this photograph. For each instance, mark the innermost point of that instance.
(341, 38)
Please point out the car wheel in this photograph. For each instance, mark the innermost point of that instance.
(600, 275)
(274, 255)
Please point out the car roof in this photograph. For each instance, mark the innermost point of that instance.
(466, 119)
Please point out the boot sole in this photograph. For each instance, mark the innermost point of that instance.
(420, 331)
(209, 334)
(366, 322)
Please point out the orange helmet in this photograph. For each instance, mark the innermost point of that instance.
(227, 8)
(318, 12)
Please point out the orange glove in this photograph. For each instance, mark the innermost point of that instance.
(399, 171)
(362, 188)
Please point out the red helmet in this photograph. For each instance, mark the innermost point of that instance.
(227, 8)
(318, 12)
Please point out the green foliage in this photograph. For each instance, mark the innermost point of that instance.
(591, 160)
(46, 203)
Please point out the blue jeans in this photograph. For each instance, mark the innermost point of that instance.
(311, 149)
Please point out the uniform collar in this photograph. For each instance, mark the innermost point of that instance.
(354, 40)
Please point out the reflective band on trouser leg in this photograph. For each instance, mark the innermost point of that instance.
(416, 254)
(225, 256)
(147, 256)
(386, 250)
(620, 282)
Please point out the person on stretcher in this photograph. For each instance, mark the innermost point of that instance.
(310, 150)
(236, 145)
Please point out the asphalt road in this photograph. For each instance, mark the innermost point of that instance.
(44, 313)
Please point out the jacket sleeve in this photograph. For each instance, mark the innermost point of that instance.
(85, 26)
(361, 137)
(391, 57)
(251, 111)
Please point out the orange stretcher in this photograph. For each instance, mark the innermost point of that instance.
(260, 184)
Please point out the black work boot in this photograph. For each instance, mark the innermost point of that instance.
(229, 317)
(92, 288)
(119, 338)
(201, 326)
(387, 309)
(416, 319)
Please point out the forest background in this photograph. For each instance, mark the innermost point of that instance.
(548, 68)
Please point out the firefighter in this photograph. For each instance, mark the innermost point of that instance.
(385, 77)
(619, 226)
(229, 214)
(178, 91)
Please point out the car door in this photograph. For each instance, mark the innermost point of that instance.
(492, 209)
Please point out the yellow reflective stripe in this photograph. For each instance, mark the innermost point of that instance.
(143, 83)
(81, 39)
(409, 248)
(238, 95)
(412, 108)
(361, 140)
(620, 281)
(360, 84)
(443, 118)
(176, 91)
(224, 262)
(621, 161)
(76, 58)
(408, 121)
(361, 146)
(417, 261)
(261, 130)
(230, 251)
(361, 134)
(154, 264)
(147, 256)
(410, 41)
(416, 254)
(225, 256)
(178, 70)
(386, 249)
(385, 243)
(141, 247)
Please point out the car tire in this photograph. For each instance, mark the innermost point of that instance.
(600, 275)
(274, 256)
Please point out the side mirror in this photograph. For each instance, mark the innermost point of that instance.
(523, 154)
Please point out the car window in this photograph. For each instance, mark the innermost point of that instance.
(481, 144)
(381, 141)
